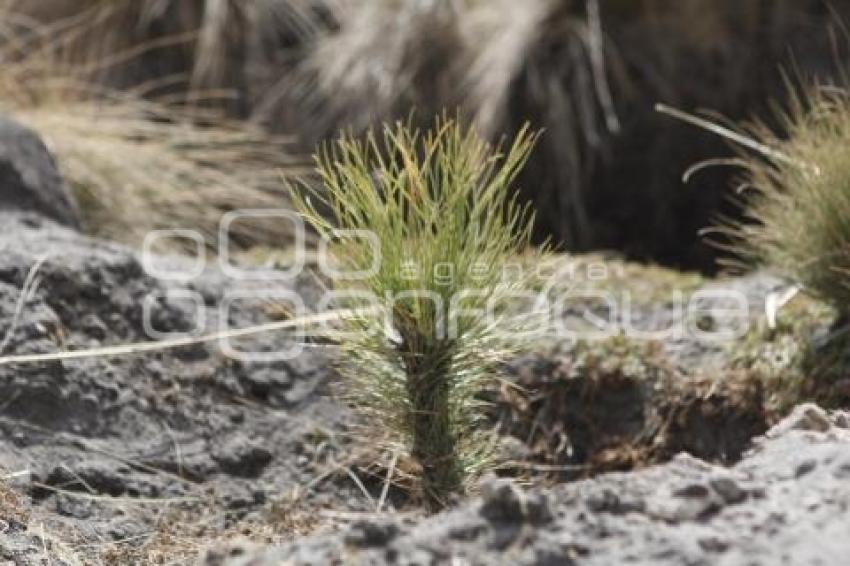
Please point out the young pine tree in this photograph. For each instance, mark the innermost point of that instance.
(441, 207)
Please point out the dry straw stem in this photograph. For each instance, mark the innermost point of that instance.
(320, 319)
(546, 61)
(136, 165)
(432, 199)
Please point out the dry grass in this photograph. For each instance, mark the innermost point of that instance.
(587, 73)
(621, 404)
(136, 165)
(796, 198)
(501, 62)
(545, 61)
(587, 77)
(199, 49)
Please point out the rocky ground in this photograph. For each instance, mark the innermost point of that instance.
(181, 455)
(786, 502)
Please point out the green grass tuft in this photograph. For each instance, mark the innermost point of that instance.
(434, 199)
(798, 198)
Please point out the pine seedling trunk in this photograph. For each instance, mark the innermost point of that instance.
(433, 443)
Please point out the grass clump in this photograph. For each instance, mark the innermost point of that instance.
(797, 222)
(437, 202)
(797, 204)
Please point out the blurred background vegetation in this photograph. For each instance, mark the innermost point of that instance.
(223, 92)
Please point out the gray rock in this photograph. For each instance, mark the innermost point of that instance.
(210, 430)
(504, 502)
(29, 179)
(758, 512)
(729, 490)
(159, 425)
(241, 457)
(369, 533)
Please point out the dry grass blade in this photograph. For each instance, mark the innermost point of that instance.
(546, 61)
(142, 347)
(386, 58)
(27, 290)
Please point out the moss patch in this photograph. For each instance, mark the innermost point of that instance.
(796, 360)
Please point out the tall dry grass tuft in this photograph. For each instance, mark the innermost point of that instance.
(439, 205)
(586, 72)
(136, 165)
(499, 62)
(229, 52)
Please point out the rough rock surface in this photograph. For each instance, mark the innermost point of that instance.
(152, 457)
(786, 502)
(89, 441)
(29, 179)
(108, 452)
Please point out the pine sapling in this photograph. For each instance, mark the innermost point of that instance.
(441, 208)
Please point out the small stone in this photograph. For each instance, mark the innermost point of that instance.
(608, 501)
(602, 502)
(807, 417)
(729, 490)
(370, 534)
(693, 491)
(552, 555)
(538, 509)
(689, 503)
(714, 544)
(842, 469)
(30, 178)
(804, 468)
(504, 502)
(240, 457)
